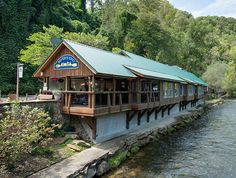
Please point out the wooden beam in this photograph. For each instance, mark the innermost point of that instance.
(114, 94)
(93, 95)
(138, 90)
(163, 110)
(140, 115)
(169, 108)
(130, 94)
(149, 113)
(157, 111)
(129, 117)
(120, 100)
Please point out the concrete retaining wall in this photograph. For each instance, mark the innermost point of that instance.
(113, 125)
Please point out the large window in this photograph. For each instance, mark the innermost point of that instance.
(168, 90)
(177, 88)
(181, 90)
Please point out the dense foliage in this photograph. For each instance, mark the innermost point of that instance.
(152, 28)
(21, 130)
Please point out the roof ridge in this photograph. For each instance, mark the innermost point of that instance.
(110, 52)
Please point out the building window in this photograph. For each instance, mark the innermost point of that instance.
(190, 90)
(177, 88)
(168, 90)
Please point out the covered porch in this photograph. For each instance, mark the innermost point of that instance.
(99, 95)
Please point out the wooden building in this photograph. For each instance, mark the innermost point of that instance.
(112, 93)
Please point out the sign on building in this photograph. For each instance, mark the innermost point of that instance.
(66, 62)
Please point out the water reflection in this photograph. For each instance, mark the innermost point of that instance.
(205, 149)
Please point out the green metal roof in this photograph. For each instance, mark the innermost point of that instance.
(152, 65)
(104, 62)
(152, 74)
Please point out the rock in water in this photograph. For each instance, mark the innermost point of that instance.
(102, 168)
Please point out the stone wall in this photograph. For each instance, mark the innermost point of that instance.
(52, 106)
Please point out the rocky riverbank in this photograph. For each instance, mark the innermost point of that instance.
(107, 156)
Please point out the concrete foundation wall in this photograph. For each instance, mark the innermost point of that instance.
(110, 126)
(114, 125)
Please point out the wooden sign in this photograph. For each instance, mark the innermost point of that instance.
(66, 62)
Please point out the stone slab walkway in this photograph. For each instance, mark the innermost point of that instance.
(72, 165)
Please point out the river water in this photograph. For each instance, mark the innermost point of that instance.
(204, 149)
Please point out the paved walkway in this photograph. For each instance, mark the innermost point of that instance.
(80, 160)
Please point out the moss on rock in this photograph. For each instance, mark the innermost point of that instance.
(117, 159)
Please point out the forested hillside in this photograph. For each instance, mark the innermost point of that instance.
(152, 28)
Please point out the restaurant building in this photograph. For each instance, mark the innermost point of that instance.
(110, 94)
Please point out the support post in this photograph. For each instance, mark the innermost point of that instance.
(140, 114)
(17, 80)
(114, 94)
(93, 94)
(129, 117)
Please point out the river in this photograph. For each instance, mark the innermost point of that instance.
(204, 149)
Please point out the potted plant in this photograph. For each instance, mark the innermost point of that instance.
(57, 94)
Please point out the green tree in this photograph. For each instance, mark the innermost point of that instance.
(21, 130)
(229, 84)
(41, 43)
(215, 74)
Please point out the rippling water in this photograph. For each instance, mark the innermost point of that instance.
(205, 149)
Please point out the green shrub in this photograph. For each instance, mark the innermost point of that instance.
(21, 130)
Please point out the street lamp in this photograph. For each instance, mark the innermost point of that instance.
(18, 76)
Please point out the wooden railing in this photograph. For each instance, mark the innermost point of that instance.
(108, 101)
(93, 99)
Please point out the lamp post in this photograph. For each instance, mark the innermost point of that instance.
(18, 76)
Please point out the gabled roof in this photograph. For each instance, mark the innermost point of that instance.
(141, 62)
(103, 62)
(128, 64)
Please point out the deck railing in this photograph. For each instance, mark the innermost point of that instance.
(108, 98)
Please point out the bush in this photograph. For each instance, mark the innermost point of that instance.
(21, 130)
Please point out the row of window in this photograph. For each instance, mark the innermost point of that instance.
(170, 90)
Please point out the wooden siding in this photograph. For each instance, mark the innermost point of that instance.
(48, 69)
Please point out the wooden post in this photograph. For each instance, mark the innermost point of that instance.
(161, 92)
(26, 97)
(66, 89)
(130, 94)
(93, 95)
(89, 95)
(109, 101)
(138, 90)
(151, 97)
(120, 100)
(17, 80)
(114, 94)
